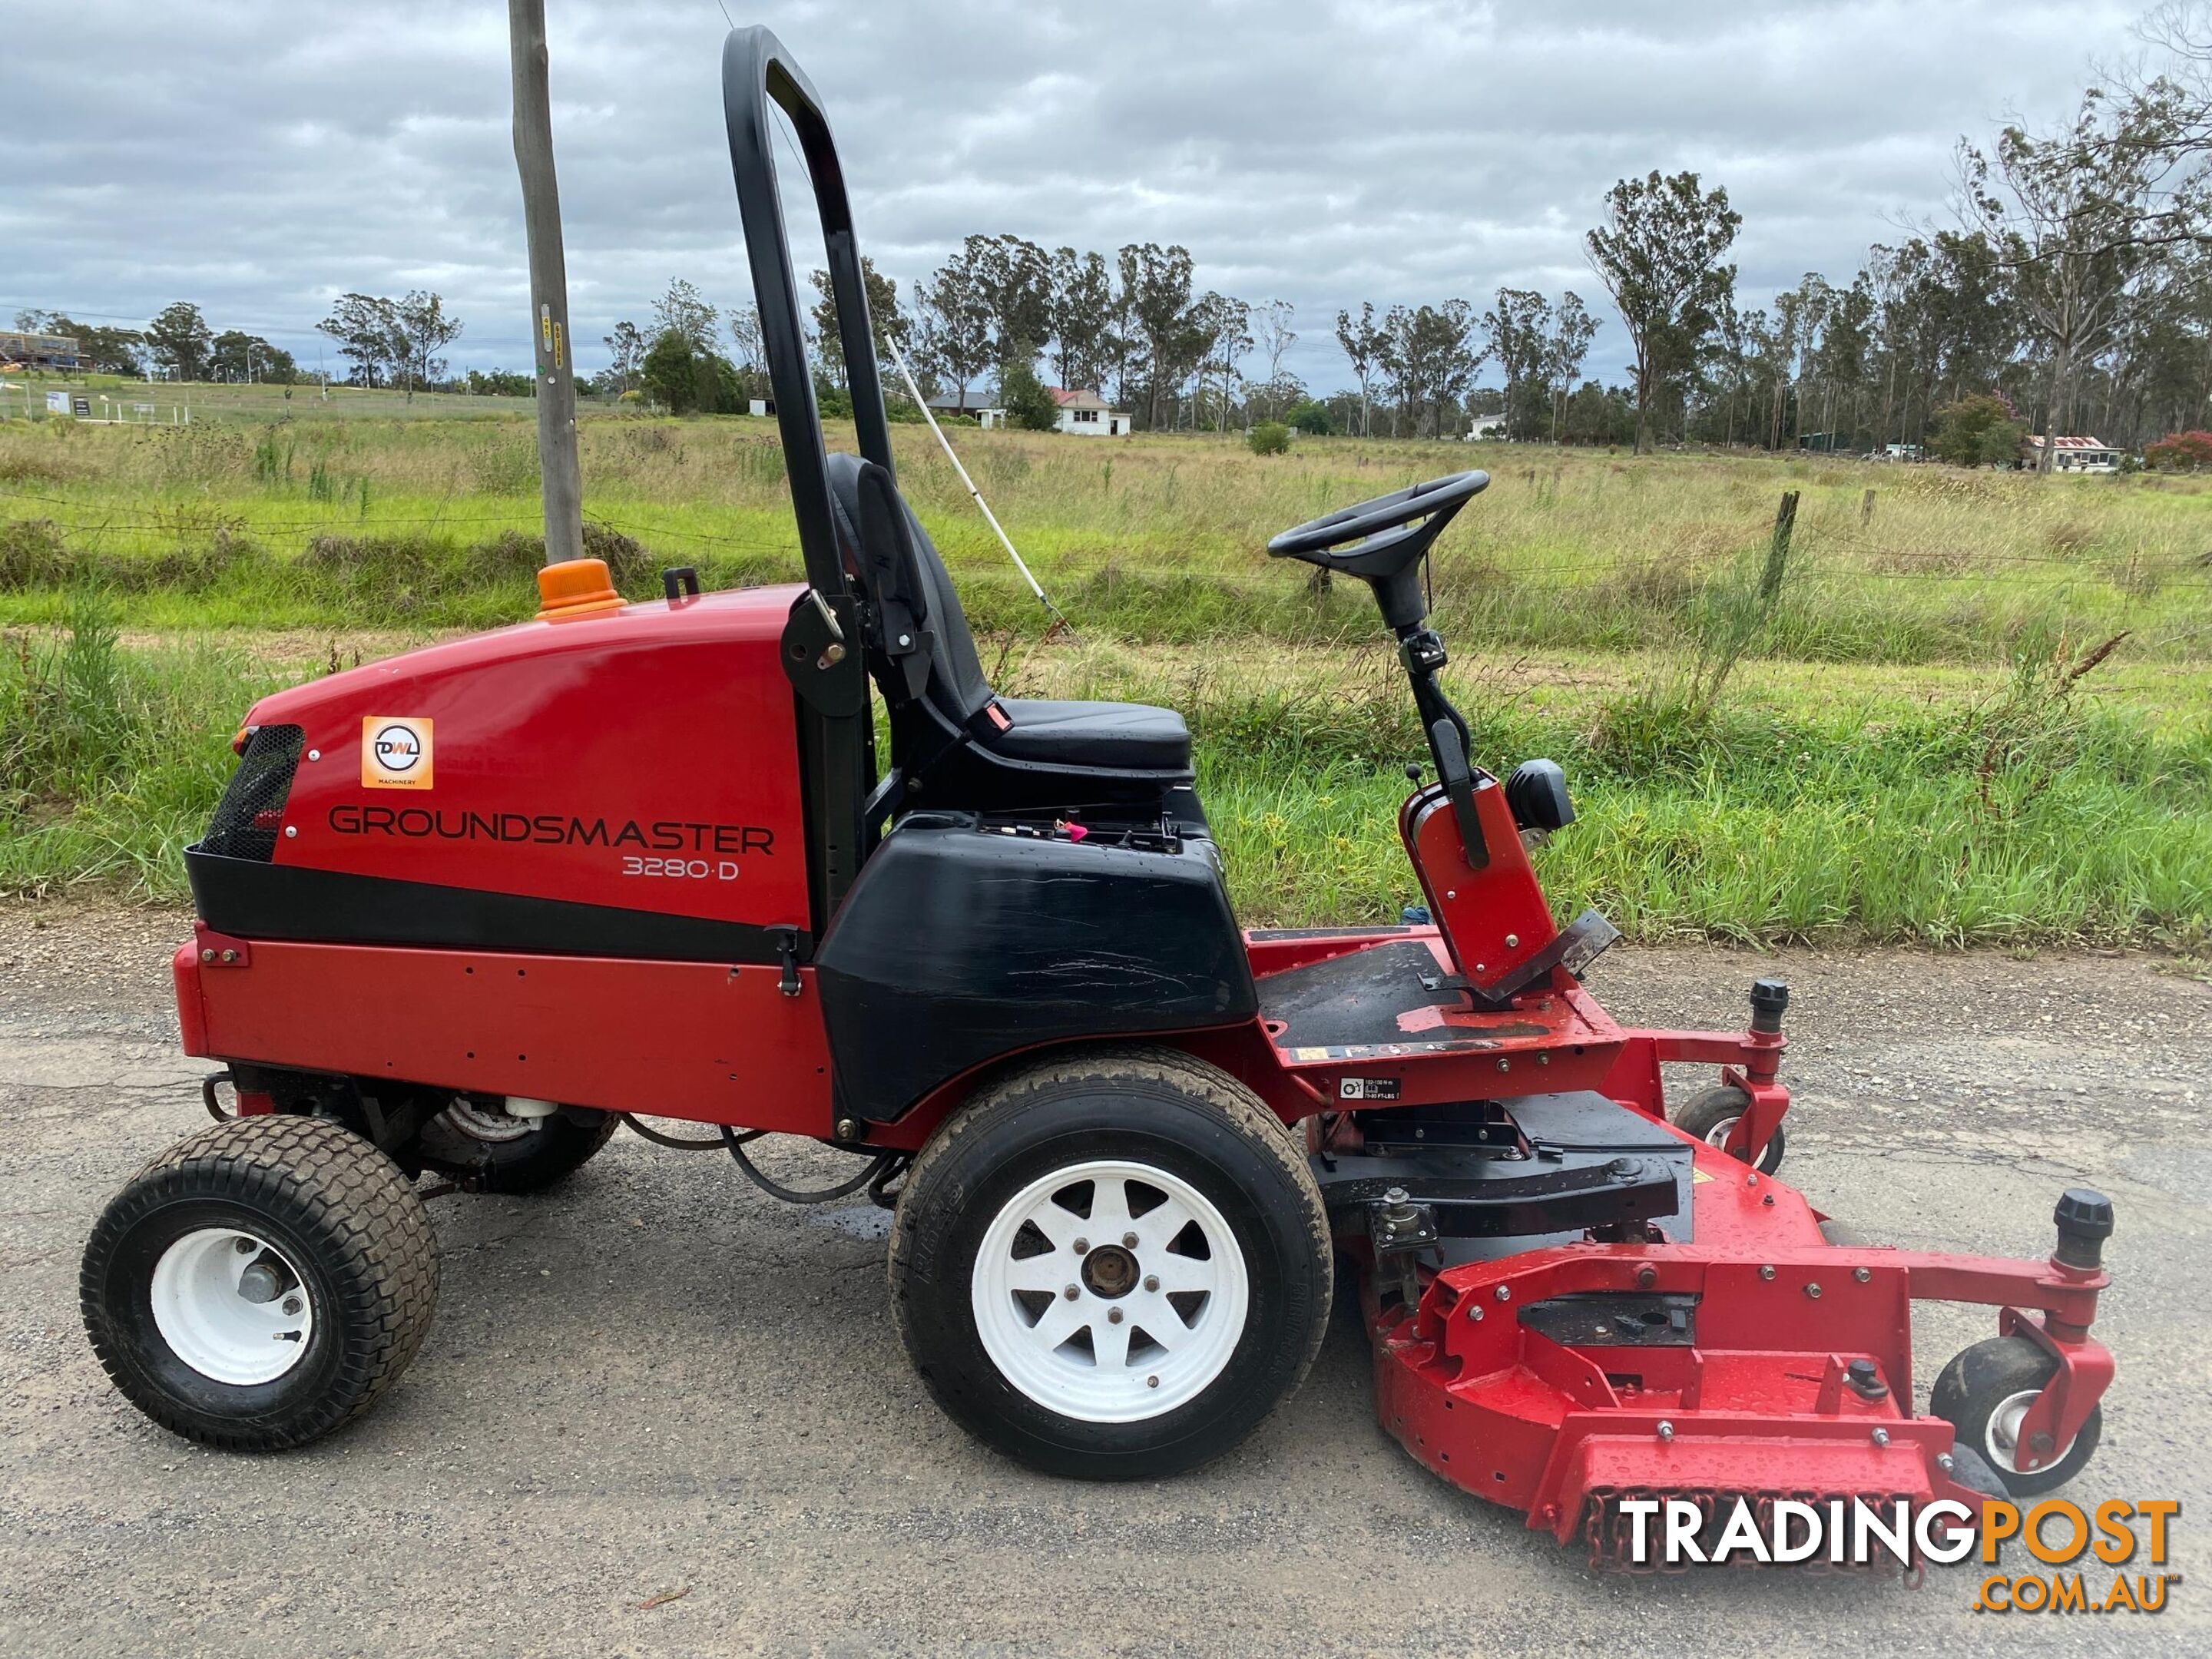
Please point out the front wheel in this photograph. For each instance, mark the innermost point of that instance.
(1712, 1117)
(1112, 1265)
(260, 1283)
(1985, 1393)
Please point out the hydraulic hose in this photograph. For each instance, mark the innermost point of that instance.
(877, 1178)
(877, 1166)
(712, 1143)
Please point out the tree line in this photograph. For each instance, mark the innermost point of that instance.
(177, 344)
(2071, 294)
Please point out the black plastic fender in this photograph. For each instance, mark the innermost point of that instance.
(960, 944)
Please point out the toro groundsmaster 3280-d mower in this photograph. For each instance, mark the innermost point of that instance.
(469, 910)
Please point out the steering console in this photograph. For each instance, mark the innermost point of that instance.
(1380, 541)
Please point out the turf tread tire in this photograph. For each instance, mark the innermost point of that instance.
(1237, 1109)
(370, 1233)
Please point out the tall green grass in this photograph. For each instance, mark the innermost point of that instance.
(2024, 813)
(2021, 815)
(110, 760)
(1157, 539)
(1952, 777)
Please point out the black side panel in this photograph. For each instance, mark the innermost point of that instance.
(287, 901)
(959, 945)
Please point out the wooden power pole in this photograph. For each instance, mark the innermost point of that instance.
(548, 284)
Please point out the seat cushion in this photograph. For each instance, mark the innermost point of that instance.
(1120, 736)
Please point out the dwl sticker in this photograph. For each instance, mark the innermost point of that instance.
(395, 752)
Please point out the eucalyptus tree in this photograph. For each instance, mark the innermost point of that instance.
(1156, 298)
(1660, 255)
(2078, 216)
(1572, 330)
(1365, 342)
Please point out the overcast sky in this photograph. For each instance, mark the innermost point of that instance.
(259, 159)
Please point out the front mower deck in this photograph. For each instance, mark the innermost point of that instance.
(1756, 1361)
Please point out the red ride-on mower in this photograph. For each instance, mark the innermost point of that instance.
(466, 911)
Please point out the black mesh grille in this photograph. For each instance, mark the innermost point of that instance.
(248, 816)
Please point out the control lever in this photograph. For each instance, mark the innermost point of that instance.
(1459, 783)
(786, 951)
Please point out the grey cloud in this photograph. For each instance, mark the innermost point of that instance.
(261, 158)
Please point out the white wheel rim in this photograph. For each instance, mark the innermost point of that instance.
(231, 1306)
(2000, 1438)
(1719, 1134)
(1179, 1319)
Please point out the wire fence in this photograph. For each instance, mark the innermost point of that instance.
(2123, 571)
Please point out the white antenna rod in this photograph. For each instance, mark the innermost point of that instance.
(990, 518)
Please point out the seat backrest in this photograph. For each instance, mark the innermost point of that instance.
(956, 686)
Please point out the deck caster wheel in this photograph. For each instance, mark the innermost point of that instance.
(260, 1283)
(1984, 1393)
(1711, 1117)
(478, 1139)
(1112, 1265)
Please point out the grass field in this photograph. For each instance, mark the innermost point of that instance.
(119, 398)
(1896, 745)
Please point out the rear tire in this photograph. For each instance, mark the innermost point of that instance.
(260, 1283)
(1213, 1248)
(1712, 1117)
(471, 1140)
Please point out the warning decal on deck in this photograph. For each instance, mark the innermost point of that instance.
(1367, 1088)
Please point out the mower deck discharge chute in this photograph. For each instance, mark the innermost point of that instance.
(466, 911)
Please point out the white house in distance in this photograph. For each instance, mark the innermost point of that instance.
(1082, 414)
(1085, 414)
(985, 415)
(2069, 454)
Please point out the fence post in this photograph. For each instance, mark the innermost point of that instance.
(1778, 550)
(1866, 509)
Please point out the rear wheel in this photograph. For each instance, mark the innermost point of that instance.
(1112, 1265)
(260, 1283)
(476, 1137)
(1712, 1117)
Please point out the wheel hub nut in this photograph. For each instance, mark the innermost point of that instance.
(1110, 1271)
(259, 1283)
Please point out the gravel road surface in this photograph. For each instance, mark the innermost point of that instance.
(661, 1413)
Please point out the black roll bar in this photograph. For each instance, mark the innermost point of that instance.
(755, 68)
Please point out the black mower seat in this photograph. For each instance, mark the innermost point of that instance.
(1103, 737)
(1120, 736)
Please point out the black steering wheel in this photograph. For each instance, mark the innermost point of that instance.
(1387, 537)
